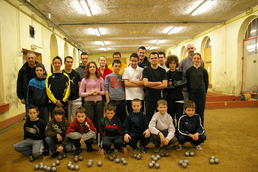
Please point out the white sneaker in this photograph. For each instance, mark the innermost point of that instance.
(178, 147)
(199, 148)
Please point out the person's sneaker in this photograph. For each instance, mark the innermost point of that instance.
(198, 147)
(178, 147)
(143, 149)
(77, 152)
(165, 147)
(46, 152)
(116, 150)
(110, 151)
(54, 155)
(89, 149)
(135, 149)
(156, 150)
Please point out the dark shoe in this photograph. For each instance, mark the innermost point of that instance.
(46, 152)
(89, 149)
(165, 147)
(143, 149)
(156, 149)
(135, 149)
(31, 158)
(54, 155)
(77, 152)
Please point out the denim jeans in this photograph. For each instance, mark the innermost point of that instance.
(51, 141)
(30, 147)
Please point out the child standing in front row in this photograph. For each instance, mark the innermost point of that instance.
(81, 130)
(55, 132)
(161, 127)
(111, 131)
(190, 127)
(136, 127)
(34, 135)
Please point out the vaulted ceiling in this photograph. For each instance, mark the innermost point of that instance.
(127, 24)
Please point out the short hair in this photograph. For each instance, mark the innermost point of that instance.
(41, 66)
(110, 107)
(84, 53)
(162, 102)
(189, 104)
(116, 61)
(67, 57)
(32, 107)
(153, 53)
(170, 59)
(136, 100)
(116, 53)
(134, 55)
(31, 52)
(58, 111)
(161, 52)
(80, 110)
(57, 58)
(198, 54)
(142, 47)
(87, 72)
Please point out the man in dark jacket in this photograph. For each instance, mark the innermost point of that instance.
(26, 73)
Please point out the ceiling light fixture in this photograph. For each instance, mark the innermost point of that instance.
(102, 43)
(158, 41)
(202, 7)
(96, 31)
(174, 30)
(85, 7)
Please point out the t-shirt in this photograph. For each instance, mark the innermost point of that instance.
(153, 75)
(132, 74)
(115, 87)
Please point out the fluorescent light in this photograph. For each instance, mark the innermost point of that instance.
(85, 7)
(174, 30)
(157, 42)
(96, 31)
(105, 49)
(202, 7)
(102, 43)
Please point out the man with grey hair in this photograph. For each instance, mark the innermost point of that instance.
(26, 73)
(185, 64)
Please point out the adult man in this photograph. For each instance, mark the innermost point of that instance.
(154, 80)
(74, 101)
(132, 78)
(143, 60)
(117, 56)
(26, 73)
(162, 60)
(185, 64)
(84, 59)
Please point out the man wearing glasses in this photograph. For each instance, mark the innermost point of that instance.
(185, 64)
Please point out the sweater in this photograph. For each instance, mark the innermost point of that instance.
(34, 129)
(161, 122)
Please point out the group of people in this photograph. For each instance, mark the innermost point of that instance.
(116, 104)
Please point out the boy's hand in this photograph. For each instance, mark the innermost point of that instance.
(60, 149)
(161, 136)
(146, 133)
(125, 151)
(59, 137)
(196, 136)
(127, 138)
(81, 141)
(165, 141)
(102, 152)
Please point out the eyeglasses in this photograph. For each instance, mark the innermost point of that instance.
(190, 48)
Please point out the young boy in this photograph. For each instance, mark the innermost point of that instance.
(111, 131)
(115, 92)
(136, 127)
(190, 127)
(161, 127)
(34, 134)
(55, 132)
(81, 130)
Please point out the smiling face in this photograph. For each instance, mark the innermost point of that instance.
(190, 111)
(84, 59)
(102, 61)
(57, 64)
(162, 108)
(134, 62)
(196, 60)
(109, 114)
(68, 63)
(190, 49)
(141, 53)
(154, 59)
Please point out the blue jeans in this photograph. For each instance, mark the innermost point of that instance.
(51, 141)
(30, 147)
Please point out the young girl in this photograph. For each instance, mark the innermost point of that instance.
(58, 86)
(103, 69)
(36, 94)
(173, 92)
(92, 89)
(197, 85)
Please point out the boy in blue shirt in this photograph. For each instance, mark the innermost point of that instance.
(190, 127)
